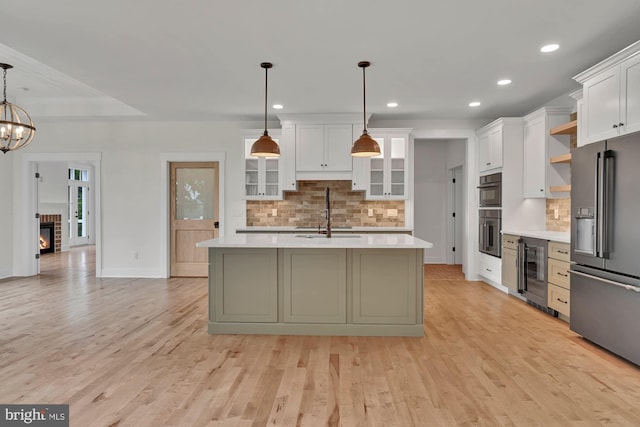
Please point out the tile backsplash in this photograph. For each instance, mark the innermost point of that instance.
(305, 207)
(563, 222)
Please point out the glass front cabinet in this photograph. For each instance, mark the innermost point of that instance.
(388, 173)
(262, 175)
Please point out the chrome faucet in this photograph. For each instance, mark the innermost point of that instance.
(327, 215)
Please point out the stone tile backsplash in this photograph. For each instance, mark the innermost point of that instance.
(563, 223)
(305, 207)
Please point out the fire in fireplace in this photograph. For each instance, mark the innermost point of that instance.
(47, 237)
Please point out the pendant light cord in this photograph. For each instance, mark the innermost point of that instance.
(364, 102)
(266, 76)
(4, 78)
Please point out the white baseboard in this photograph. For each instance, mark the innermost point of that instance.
(5, 272)
(143, 273)
(495, 285)
(435, 260)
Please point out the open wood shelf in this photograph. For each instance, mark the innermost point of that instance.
(560, 189)
(564, 158)
(565, 128)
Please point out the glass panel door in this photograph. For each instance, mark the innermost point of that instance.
(376, 172)
(78, 207)
(193, 201)
(398, 156)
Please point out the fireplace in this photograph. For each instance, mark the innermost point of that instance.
(47, 237)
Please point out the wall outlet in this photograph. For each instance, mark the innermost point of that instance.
(392, 213)
(370, 212)
(556, 214)
(274, 212)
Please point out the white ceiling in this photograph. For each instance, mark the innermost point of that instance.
(199, 60)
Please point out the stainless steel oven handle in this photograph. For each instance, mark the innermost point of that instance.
(607, 281)
(488, 185)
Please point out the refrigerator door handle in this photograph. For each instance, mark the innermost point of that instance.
(607, 281)
(599, 220)
(606, 196)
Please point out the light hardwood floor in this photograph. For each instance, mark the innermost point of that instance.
(135, 352)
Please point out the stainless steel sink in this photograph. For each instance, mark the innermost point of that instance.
(302, 227)
(322, 236)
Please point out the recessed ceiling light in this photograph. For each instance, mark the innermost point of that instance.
(504, 82)
(474, 104)
(392, 104)
(278, 106)
(549, 48)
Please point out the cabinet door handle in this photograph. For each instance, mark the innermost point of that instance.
(615, 126)
(489, 164)
(562, 301)
(620, 124)
(563, 275)
(563, 252)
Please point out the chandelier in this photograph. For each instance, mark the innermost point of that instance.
(16, 127)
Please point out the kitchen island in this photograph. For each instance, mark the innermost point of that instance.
(308, 284)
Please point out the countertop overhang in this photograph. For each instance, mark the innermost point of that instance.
(555, 236)
(357, 229)
(345, 241)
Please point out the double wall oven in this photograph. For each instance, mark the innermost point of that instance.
(490, 214)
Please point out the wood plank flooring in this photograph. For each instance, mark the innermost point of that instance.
(135, 352)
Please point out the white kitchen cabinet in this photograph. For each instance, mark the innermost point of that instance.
(539, 147)
(288, 156)
(388, 174)
(490, 147)
(262, 176)
(323, 148)
(490, 267)
(611, 96)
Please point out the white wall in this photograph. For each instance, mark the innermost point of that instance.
(6, 215)
(430, 192)
(131, 175)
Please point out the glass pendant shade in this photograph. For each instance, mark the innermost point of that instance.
(365, 146)
(16, 127)
(265, 146)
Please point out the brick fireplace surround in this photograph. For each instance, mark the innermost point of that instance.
(57, 229)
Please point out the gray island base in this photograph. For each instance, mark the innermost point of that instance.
(361, 285)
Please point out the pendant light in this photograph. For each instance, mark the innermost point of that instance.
(265, 146)
(16, 127)
(365, 146)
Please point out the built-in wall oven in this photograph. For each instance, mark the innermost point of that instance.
(490, 191)
(532, 269)
(490, 221)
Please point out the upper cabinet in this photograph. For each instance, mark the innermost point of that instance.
(490, 147)
(611, 97)
(323, 148)
(540, 147)
(387, 176)
(320, 146)
(262, 175)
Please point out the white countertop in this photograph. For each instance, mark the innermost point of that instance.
(275, 229)
(556, 236)
(341, 241)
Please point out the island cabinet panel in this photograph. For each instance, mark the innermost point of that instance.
(315, 285)
(245, 283)
(384, 286)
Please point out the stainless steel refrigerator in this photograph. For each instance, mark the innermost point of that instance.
(605, 244)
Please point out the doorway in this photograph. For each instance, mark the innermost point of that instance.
(35, 196)
(194, 215)
(456, 215)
